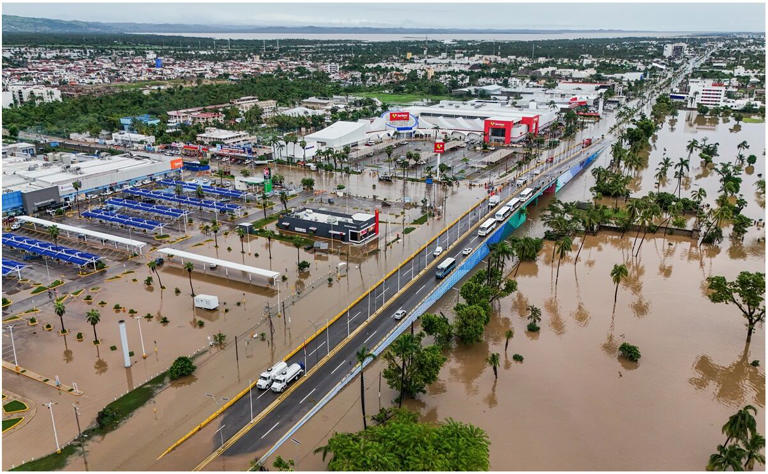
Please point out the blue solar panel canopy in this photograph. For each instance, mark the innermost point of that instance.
(190, 201)
(48, 249)
(11, 266)
(206, 189)
(123, 219)
(149, 208)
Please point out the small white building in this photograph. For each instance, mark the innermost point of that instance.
(227, 137)
(339, 134)
(128, 139)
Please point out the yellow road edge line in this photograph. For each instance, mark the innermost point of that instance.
(336, 318)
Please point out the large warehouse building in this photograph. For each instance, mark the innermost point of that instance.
(32, 184)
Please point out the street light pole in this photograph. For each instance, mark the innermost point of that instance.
(327, 338)
(13, 346)
(250, 398)
(53, 422)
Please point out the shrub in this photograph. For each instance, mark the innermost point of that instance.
(517, 358)
(33, 320)
(629, 352)
(200, 323)
(755, 363)
(177, 291)
(116, 307)
(112, 348)
(148, 281)
(532, 327)
(100, 265)
(79, 335)
(6, 301)
(108, 418)
(181, 367)
(148, 316)
(164, 321)
(304, 266)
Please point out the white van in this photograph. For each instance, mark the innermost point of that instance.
(266, 377)
(514, 203)
(503, 213)
(285, 377)
(527, 192)
(494, 200)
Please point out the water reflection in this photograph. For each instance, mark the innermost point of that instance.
(734, 384)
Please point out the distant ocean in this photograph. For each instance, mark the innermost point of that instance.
(434, 37)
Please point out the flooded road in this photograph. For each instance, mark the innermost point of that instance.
(573, 404)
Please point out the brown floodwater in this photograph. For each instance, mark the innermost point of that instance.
(99, 371)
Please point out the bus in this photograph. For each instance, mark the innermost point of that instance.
(514, 203)
(445, 267)
(527, 192)
(487, 227)
(503, 213)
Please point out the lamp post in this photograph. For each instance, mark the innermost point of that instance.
(53, 422)
(141, 338)
(13, 346)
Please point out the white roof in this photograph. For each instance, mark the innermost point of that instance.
(336, 130)
(171, 252)
(91, 233)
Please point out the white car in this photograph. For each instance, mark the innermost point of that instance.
(466, 251)
(437, 252)
(16, 226)
(399, 314)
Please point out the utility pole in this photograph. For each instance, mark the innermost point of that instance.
(13, 346)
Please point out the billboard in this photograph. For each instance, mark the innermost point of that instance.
(439, 147)
(399, 116)
(177, 163)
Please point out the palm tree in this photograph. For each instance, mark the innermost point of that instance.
(681, 169)
(53, 233)
(362, 355)
(646, 219)
(189, 267)
(297, 242)
(752, 450)
(77, 185)
(241, 233)
(740, 425)
(493, 361)
(726, 457)
(93, 317)
(284, 200)
(59, 309)
(264, 202)
(152, 264)
(742, 146)
(618, 273)
(270, 234)
(303, 145)
(563, 247)
(508, 335)
(179, 190)
(693, 144)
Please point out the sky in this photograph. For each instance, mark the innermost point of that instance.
(709, 17)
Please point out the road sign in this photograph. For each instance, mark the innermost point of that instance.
(439, 147)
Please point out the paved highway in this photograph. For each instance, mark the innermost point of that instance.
(415, 285)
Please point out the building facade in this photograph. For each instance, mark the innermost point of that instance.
(358, 228)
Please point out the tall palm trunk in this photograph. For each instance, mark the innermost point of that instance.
(61, 318)
(641, 242)
(190, 284)
(615, 295)
(95, 337)
(158, 279)
(583, 239)
(362, 397)
(402, 385)
(558, 270)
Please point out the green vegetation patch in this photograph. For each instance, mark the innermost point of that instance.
(262, 222)
(39, 289)
(10, 423)
(402, 98)
(408, 230)
(421, 220)
(116, 412)
(77, 293)
(52, 462)
(753, 120)
(15, 406)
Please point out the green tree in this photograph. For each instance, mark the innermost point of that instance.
(439, 327)
(410, 366)
(60, 309)
(727, 457)
(189, 267)
(241, 234)
(181, 367)
(563, 247)
(629, 352)
(493, 361)
(470, 322)
(534, 318)
(93, 317)
(507, 336)
(747, 293)
(282, 465)
(53, 233)
(77, 185)
(297, 242)
(362, 355)
(219, 340)
(618, 273)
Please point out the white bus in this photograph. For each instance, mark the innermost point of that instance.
(445, 267)
(527, 192)
(514, 203)
(487, 227)
(503, 213)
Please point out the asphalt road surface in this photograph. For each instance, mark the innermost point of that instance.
(273, 425)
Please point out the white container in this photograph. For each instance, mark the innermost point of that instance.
(206, 301)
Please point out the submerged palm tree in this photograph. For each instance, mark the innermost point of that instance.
(618, 273)
(60, 309)
(153, 268)
(563, 247)
(493, 361)
(93, 317)
(189, 267)
(362, 355)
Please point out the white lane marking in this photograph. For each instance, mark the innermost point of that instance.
(270, 430)
(367, 338)
(338, 366)
(318, 347)
(422, 287)
(353, 317)
(310, 393)
(264, 393)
